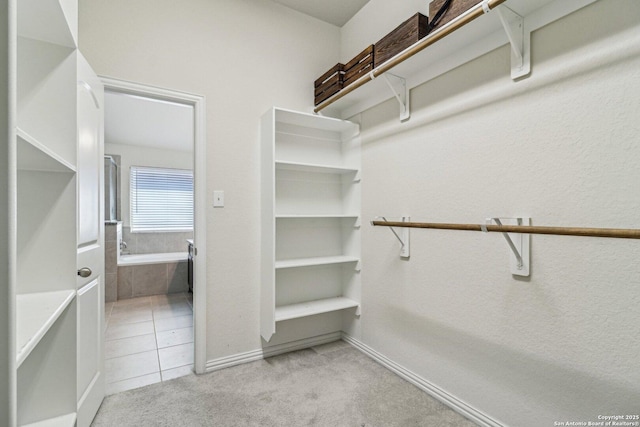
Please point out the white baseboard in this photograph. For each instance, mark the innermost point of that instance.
(451, 401)
(301, 344)
(262, 353)
(233, 360)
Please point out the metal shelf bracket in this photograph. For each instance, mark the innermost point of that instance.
(519, 39)
(402, 236)
(518, 243)
(400, 90)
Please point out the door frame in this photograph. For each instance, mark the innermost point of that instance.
(200, 200)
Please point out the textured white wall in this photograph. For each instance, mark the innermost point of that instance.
(561, 147)
(244, 56)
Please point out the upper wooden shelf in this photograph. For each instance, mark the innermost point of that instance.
(461, 40)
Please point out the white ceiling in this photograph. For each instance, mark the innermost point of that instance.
(336, 12)
(146, 122)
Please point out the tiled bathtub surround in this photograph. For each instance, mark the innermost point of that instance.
(153, 243)
(126, 282)
(152, 279)
(148, 340)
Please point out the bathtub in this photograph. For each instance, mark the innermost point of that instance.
(152, 274)
(157, 258)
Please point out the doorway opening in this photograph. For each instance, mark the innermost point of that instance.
(155, 291)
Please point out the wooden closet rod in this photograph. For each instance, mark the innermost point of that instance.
(430, 39)
(619, 233)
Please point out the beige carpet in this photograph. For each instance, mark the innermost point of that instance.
(331, 385)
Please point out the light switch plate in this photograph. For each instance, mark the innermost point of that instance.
(218, 199)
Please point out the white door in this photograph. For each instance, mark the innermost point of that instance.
(90, 243)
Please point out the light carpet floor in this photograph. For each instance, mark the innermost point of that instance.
(332, 385)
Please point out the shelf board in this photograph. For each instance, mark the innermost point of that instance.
(68, 420)
(311, 308)
(36, 313)
(314, 168)
(51, 21)
(314, 121)
(315, 216)
(33, 155)
(308, 262)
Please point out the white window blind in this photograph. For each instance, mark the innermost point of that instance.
(161, 199)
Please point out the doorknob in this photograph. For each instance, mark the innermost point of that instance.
(84, 272)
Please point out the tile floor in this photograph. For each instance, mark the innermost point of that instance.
(148, 340)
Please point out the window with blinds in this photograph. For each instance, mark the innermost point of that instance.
(161, 199)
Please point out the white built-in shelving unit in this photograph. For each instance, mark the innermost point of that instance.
(45, 300)
(310, 218)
